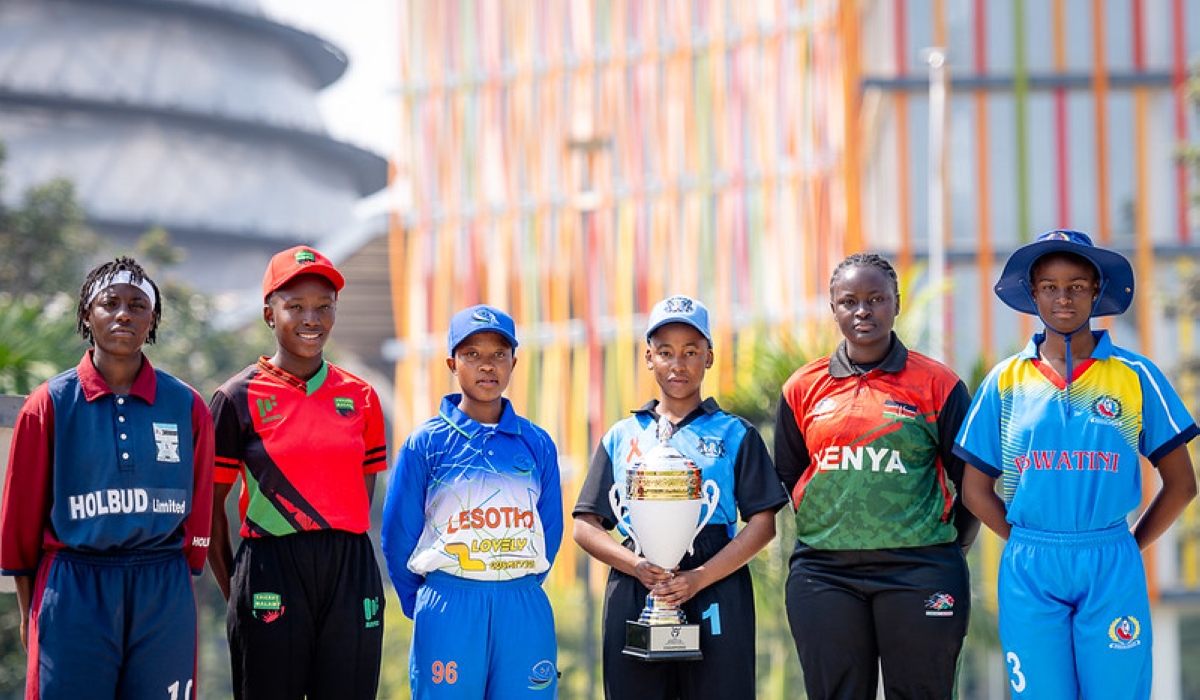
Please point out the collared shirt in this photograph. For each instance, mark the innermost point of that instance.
(301, 447)
(868, 456)
(94, 471)
(1067, 453)
(726, 448)
(476, 501)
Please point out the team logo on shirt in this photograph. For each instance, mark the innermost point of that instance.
(344, 405)
(1108, 407)
(900, 410)
(166, 437)
(542, 675)
(823, 407)
(711, 447)
(1125, 633)
(267, 607)
(265, 406)
(940, 604)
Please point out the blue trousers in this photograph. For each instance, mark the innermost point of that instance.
(483, 640)
(112, 626)
(1075, 615)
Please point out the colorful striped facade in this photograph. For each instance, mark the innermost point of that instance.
(575, 161)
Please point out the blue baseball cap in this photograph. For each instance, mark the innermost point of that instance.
(679, 309)
(479, 319)
(1115, 272)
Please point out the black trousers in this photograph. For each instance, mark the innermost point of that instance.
(725, 613)
(305, 617)
(902, 610)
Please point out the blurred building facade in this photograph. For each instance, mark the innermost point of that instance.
(199, 116)
(576, 161)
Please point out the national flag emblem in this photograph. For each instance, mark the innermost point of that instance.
(897, 409)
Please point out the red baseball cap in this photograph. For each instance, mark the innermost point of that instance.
(301, 260)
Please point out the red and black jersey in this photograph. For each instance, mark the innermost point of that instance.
(867, 455)
(302, 448)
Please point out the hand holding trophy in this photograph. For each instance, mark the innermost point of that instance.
(659, 506)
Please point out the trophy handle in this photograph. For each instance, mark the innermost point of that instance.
(712, 494)
(616, 498)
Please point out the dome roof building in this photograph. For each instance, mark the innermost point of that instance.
(199, 116)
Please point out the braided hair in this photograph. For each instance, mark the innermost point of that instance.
(866, 260)
(102, 275)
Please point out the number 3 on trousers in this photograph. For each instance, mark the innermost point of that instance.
(1018, 678)
(447, 672)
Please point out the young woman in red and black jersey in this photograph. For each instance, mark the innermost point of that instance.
(307, 438)
(863, 443)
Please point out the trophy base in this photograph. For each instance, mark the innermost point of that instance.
(662, 642)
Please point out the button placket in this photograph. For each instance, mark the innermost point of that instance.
(124, 447)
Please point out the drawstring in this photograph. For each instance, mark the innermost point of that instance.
(1067, 336)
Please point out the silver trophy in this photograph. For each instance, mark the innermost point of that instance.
(659, 505)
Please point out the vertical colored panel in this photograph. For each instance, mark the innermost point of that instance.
(1100, 93)
(984, 252)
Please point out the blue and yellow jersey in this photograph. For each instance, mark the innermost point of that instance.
(1067, 452)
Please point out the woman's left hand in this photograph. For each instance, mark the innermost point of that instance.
(682, 587)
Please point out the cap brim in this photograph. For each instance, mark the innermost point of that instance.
(1115, 272)
(329, 272)
(667, 321)
(512, 340)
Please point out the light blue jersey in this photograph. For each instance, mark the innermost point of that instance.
(1067, 453)
(1071, 576)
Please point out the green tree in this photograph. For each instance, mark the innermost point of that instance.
(45, 253)
(43, 242)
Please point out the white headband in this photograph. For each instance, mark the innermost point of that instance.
(121, 277)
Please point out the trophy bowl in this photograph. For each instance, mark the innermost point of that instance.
(659, 506)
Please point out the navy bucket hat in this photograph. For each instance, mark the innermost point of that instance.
(1115, 272)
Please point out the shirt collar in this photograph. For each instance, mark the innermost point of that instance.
(94, 386)
(309, 387)
(841, 367)
(450, 412)
(1102, 351)
(707, 407)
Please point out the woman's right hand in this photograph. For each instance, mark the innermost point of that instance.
(650, 574)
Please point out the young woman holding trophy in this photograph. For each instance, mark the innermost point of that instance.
(863, 441)
(712, 583)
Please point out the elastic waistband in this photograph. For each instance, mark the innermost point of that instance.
(441, 579)
(118, 559)
(1086, 538)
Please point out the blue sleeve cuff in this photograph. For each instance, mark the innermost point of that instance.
(965, 455)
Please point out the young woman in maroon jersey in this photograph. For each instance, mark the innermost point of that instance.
(106, 508)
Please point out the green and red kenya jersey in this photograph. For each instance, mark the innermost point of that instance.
(301, 447)
(867, 456)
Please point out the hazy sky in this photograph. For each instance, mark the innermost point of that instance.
(359, 108)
